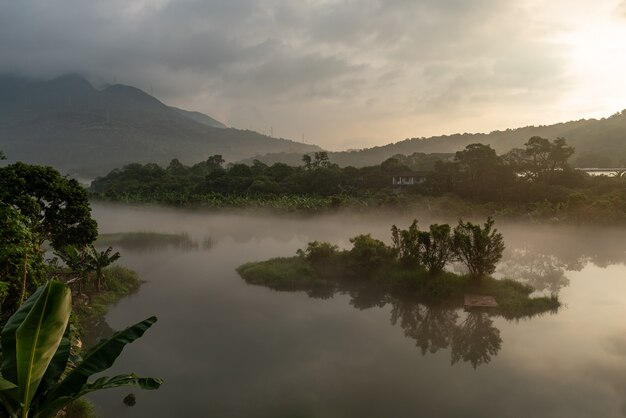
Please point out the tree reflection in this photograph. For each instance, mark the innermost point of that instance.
(431, 327)
(142, 242)
(544, 272)
(475, 340)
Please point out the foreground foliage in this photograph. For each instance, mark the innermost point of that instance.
(37, 379)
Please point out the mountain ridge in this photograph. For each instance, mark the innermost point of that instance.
(67, 123)
(598, 143)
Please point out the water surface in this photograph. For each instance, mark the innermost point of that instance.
(228, 349)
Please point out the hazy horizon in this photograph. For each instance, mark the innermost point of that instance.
(338, 74)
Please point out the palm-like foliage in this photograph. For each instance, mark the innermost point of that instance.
(35, 352)
(98, 260)
(76, 260)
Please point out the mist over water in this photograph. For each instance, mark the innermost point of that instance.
(229, 349)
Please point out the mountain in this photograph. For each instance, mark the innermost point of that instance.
(78, 129)
(598, 143)
(199, 117)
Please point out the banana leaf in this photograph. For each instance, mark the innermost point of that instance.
(6, 385)
(39, 337)
(58, 364)
(52, 407)
(99, 358)
(7, 337)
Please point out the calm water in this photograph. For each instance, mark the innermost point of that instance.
(228, 349)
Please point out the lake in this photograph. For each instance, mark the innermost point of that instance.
(229, 349)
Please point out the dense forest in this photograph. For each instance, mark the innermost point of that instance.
(535, 181)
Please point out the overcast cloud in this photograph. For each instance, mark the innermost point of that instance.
(341, 73)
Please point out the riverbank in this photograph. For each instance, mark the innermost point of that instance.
(88, 312)
(575, 211)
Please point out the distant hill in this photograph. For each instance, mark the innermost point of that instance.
(598, 143)
(67, 123)
(199, 117)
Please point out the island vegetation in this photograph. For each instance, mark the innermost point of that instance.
(532, 183)
(413, 267)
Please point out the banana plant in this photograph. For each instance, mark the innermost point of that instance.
(98, 260)
(36, 380)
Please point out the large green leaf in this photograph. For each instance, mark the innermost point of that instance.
(58, 363)
(99, 358)
(148, 383)
(6, 385)
(7, 338)
(39, 337)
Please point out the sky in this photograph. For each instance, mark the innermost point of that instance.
(342, 74)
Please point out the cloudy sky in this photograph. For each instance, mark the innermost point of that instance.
(340, 73)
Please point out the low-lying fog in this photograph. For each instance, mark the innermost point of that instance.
(228, 349)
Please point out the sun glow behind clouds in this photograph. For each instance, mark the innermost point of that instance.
(597, 62)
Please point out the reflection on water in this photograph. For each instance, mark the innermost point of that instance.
(151, 241)
(544, 272)
(474, 339)
(228, 349)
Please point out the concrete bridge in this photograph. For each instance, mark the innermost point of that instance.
(615, 171)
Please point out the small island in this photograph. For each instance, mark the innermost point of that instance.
(414, 267)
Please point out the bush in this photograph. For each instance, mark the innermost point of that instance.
(367, 253)
(406, 245)
(318, 253)
(478, 248)
(437, 248)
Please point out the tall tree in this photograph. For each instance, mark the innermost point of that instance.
(56, 208)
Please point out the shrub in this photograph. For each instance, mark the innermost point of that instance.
(406, 245)
(367, 253)
(437, 248)
(478, 248)
(318, 253)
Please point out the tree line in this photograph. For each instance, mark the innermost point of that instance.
(536, 178)
(478, 248)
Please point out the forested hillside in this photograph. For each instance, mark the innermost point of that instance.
(598, 143)
(69, 124)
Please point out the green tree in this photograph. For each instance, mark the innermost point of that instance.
(36, 378)
(540, 159)
(367, 253)
(77, 261)
(56, 207)
(19, 258)
(406, 244)
(478, 248)
(318, 253)
(306, 159)
(321, 160)
(437, 248)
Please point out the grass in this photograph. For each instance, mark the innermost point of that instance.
(296, 273)
(118, 282)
